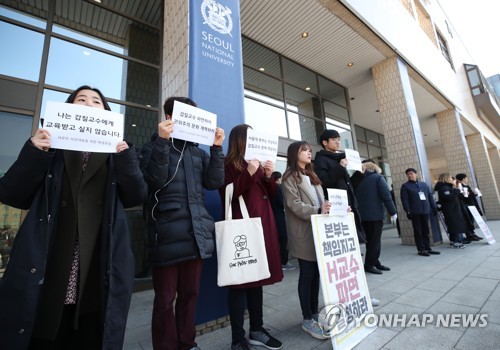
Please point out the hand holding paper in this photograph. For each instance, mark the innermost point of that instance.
(253, 165)
(268, 168)
(165, 128)
(219, 137)
(41, 140)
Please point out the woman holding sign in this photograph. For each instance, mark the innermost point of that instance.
(255, 183)
(304, 197)
(69, 280)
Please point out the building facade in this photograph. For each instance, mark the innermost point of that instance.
(392, 76)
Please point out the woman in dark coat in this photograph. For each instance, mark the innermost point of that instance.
(449, 198)
(255, 184)
(69, 280)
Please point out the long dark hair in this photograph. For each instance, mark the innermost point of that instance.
(292, 166)
(72, 96)
(237, 145)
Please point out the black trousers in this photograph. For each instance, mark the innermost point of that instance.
(373, 232)
(308, 288)
(420, 224)
(236, 298)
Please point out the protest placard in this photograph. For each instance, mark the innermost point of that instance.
(261, 146)
(82, 128)
(353, 160)
(193, 124)
(338, 200)
(343, 282)
(482, 225)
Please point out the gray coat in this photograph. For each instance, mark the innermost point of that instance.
(300, 204)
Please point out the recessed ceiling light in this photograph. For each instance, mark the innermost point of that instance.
(86, 53)
(148, 106)
(133, 125)
(371, 141)
(305, 35)
(99, 1)
(350, 64)
(308, 88)
(262, 69)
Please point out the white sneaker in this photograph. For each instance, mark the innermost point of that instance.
(375, 302)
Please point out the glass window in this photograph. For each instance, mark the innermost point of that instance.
(260, 58)
(382, 140)
(87, 39)
(360, 133)
(264, 86)
(88, 67)
(140, 124)
(23, 57)
(265, 118)
(299, 76)
(474, 77)
(15, 130)
(335, 112)
(372, 138)
(22, 17)
(304, 102)
(363, 150)
(331, 91)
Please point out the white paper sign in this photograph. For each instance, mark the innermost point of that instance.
(482, 225)
(479, 194)
(338, 200)
(193, 124)
(343, 281)
(353, 160)
(82, 128)
(261, 146)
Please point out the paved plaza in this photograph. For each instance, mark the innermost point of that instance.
(463, 281)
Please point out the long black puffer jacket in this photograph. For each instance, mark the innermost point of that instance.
(449, 198)
(179, 226)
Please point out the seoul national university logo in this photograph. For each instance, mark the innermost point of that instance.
(217, 16)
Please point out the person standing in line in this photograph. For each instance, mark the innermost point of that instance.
(69, 280)
(418, 203)
(449, 198)
(180, 229)
(468, 198)
(304, 197)
(279, 217)
(373, 194)
(330, 164)
(255, 183)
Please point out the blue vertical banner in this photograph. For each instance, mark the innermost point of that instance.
(215, 59)
(216, 85)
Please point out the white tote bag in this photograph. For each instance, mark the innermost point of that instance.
(241, 251)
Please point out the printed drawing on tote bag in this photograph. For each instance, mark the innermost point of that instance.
(241, 251)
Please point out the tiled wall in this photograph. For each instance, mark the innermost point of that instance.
(485, 175)
(451, 137)
(175, 49)
(398, 133)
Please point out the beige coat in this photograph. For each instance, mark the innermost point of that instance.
(300, 204)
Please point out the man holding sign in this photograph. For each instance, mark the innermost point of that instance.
(330, 164)
(180, 229)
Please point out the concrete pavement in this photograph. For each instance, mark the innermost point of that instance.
(464, 281)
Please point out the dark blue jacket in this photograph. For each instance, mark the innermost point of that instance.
(372, 194)
(411, 200)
